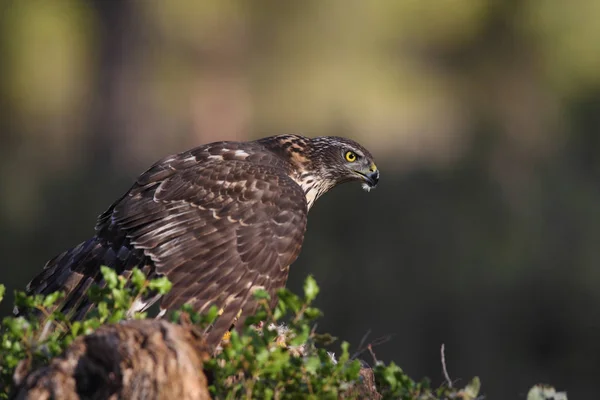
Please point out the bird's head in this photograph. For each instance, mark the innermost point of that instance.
(323, 162)
(341, 160)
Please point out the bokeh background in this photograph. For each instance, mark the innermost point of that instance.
(484, 117)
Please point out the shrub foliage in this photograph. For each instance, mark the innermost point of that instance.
(277, 355)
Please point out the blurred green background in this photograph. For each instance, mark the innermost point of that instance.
(484, 117)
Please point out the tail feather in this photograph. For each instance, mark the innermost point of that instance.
(76, 270)
(235, 312)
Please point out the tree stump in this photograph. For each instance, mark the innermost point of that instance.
(149, 359)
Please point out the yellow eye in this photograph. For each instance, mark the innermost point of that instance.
(350, 156)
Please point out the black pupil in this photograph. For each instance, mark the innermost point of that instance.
(351, 156)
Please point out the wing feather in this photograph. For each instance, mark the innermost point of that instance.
(217, 230)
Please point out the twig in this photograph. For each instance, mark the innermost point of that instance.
(313, 330)
(448, 380)
(372, 353)
(363, 340)
(381, 340)
(376, 342)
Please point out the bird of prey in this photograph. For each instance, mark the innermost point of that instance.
(219, 221)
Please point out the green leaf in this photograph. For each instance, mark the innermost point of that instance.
(353, 369)
(212, 314)
(324, 339)
(103, 309)
(95, 293)
(262, 356)
(76, 328)
(312, 364)
(311, 289)
(259, 316)
(162, 285)
(110, 276)
(268, 394)
(117, 316)
(17, 326)
(121, 282)
(289, 300)
(280, 310)
(51, 299)
(24, 301)
(138, 278)
(345, 353)
(312, 313)
(261, 294)
(2, 292)
(119, 296)
(301, 336)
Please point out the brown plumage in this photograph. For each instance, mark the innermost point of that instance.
(219, 221)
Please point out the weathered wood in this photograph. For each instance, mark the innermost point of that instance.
(150, 359)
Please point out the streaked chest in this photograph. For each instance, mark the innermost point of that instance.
(312, 187)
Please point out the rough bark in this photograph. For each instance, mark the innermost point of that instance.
(150, 359)
(366, 388)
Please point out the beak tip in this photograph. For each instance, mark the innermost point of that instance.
(373, 179)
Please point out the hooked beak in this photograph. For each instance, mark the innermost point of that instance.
(370, 177)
